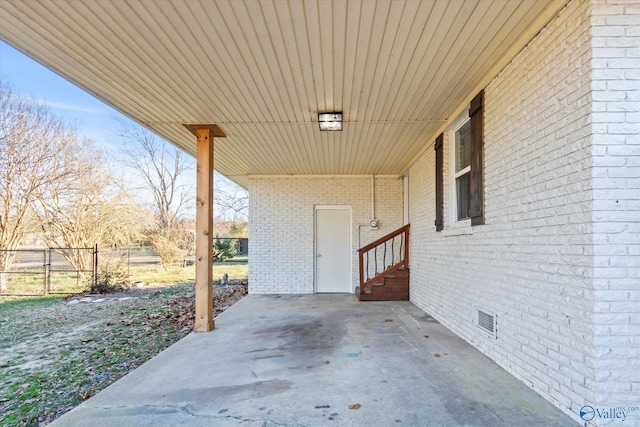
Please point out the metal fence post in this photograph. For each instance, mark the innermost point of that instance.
(46, 255)
(95, 266)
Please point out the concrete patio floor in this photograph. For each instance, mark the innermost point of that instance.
(304, 360)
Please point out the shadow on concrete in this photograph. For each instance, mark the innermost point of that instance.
(318, 360)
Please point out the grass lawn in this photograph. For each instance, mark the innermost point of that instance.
(55, 354)
(17, 305)
(142, 266)
(154, 273)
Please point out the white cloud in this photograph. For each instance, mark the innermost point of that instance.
(71, 107)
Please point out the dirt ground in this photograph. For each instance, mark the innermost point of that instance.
(56, 353)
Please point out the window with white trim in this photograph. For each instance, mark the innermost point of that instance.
(462, 169)
(465, 180)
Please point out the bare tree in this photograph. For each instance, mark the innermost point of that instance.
(87, 208)
(54, 183)
(225, 228)
(34, 147)
(173, 243)
(161, 168)
(231, 200)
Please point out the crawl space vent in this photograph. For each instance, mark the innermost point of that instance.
(487, 322)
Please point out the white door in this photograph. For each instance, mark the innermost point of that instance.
(333, 249)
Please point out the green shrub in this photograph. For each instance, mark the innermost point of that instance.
(223, 249)
(109, 281)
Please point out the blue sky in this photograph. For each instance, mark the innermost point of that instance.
(94, 119)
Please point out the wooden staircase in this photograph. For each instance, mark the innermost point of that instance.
(384, 268)
(392, 287)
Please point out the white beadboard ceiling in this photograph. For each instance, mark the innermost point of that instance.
(262, 70)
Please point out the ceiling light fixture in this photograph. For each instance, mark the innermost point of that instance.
(330, 121)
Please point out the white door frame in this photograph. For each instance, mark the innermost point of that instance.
(315, 243)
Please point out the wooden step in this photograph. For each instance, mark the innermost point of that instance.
(394, 287)
(385, 297)
(401, 272)
(396, 282)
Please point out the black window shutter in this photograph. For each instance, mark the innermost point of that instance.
(476, 202)
(439, 183)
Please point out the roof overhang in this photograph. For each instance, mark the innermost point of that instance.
(262, 70)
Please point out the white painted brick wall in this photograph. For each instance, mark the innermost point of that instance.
(281, 225)
(616, 205)
(558, 258)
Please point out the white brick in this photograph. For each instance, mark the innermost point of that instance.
(281, 225)
(558, 252)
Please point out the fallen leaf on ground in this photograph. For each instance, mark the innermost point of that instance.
(426, 336)
(437, 355)
(123, 345)
(326, 362)
(355, 406)
(388, 320)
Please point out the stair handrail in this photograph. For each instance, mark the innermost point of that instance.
(403, 263)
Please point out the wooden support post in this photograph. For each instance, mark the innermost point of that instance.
(204, 231)
(204, 224)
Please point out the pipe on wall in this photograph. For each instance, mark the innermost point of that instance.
(373, 197)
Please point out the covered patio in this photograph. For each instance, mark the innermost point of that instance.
(503, 132)
(317, 360)
(257, 76)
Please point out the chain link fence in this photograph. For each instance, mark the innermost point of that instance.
(44, 271)
(26, 272)
(138, 262)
